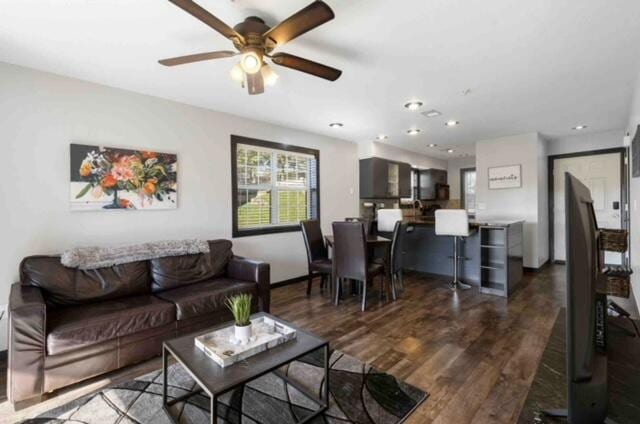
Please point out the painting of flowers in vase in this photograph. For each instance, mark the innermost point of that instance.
(104, 178)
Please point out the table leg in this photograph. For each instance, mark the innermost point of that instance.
(326, 375)
(164, 376)
(214, 409)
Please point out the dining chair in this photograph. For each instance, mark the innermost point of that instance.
(368, 224)
(317, 253)
(351, 258)
(397, 256)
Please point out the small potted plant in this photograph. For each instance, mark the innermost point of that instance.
(240, 307)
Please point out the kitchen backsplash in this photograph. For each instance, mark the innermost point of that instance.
(366, 206)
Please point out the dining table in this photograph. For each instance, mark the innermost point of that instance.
(373, 242)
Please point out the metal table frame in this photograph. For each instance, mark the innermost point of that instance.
(213, 405)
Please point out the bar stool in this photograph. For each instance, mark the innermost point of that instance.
(387, 219)
(454, 223)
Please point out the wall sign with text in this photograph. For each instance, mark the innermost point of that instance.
(505, 177)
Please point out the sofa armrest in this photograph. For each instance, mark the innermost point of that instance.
(255, 271)
(27, 342)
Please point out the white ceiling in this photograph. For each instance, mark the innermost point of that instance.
(543, 65)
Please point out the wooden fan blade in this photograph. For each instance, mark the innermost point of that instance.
(255, 83)
(198, 57)
(199, 13)
(306, 65)
(312, 16)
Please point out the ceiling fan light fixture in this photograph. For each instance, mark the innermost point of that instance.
(269, 76)
(336, 125)
(251, 62)
(236, 73)
(413, 131)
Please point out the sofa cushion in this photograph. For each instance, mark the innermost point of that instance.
(76, 327)
(207, 297)
(70, 286)
(175, 271)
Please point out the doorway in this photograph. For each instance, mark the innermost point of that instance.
(468, 190)
(604, 173)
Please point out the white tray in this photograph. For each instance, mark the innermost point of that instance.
(221, 346)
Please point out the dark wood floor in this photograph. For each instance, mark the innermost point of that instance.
(475, 354)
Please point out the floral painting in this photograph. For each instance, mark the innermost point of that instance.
(113, 178)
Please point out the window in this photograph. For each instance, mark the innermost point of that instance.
(468, 189)
(275, 186)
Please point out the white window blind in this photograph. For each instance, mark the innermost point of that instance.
(274, 187)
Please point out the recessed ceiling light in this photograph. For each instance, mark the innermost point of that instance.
(450, 150)
(413, 105)
(381, 137)
(432, 145)
(336, 125)
(451, 123)
(431, 113)
(413, 131)
(579, 127)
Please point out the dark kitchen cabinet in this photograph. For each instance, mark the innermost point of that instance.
(405, 180)
(382, 178)
(432, 184)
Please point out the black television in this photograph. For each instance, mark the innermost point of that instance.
(586, 310)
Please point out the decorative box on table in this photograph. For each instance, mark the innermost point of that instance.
(221, 346)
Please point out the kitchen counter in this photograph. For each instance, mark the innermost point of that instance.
(424, 251)
(472, 222)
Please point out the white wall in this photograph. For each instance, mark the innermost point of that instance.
(453, 174)
(516, 203)
(41, 114)
(387, 151)
(582, 142)
(634, 121)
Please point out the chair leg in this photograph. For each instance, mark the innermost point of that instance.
(309, 284)
(383, 293)
(323, 278)
(394, 277)
(401, 280)
(364, 295)
(337, 294)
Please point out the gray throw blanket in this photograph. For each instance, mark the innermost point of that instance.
(101, 257)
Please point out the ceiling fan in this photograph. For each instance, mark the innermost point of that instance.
(255, 42)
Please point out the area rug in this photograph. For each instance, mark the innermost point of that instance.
(359, 394)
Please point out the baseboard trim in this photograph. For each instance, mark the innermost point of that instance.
(536, 270)
(290, 281)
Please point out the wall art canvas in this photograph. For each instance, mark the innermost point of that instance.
(104, 178)
(505, 177)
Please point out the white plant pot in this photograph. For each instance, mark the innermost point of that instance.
(243, 334)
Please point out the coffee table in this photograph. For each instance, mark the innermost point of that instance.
(215, 380)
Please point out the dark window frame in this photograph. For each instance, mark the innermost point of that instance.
(237, 139)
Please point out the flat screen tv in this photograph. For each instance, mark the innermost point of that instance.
(586, 309)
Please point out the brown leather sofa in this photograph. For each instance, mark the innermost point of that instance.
(66, 325)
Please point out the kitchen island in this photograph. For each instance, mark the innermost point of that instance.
(492, 253)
